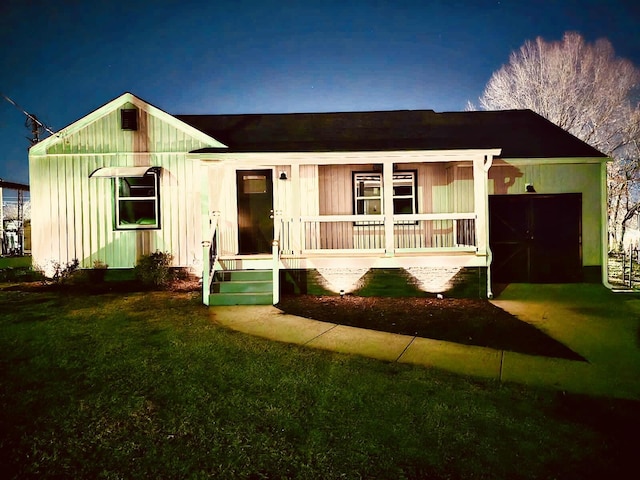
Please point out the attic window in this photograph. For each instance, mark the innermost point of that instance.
(129, 119)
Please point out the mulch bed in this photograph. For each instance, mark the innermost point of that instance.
(465, 321)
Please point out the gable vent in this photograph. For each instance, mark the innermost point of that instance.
(129, 119)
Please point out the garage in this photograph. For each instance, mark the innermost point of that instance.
(536, 238)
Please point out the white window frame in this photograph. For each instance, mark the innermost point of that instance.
(405, 178)
(399, 178)
(360, 179)
(118, 199)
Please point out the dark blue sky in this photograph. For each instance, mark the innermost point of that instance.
(61, 59)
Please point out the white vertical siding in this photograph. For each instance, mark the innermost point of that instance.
(335, 187)
(73, 215)
(309, 190)
(223, 193)
(506, 178)
(440, 188)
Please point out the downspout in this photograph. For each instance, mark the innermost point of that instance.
(488, 161)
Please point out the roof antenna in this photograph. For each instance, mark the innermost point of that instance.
(32, 122)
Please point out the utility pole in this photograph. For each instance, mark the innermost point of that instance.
(21, 220)
(36, 128)
(32, 122)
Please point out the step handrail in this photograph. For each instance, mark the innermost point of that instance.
(210, 256)
(275, 250)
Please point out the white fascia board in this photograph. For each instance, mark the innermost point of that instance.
(552, 161)
(332, 158)
(41, 147)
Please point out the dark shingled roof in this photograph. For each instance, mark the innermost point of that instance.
(519, 133)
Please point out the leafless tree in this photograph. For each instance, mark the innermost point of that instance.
(585, 89)
(10, 210)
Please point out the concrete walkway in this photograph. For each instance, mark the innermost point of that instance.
(602, 326)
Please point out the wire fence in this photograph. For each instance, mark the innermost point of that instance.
(624, 268)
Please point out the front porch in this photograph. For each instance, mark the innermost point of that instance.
(431, 248)
(341, 222)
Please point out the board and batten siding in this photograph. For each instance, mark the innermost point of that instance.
(512, 178)
(441, 187)
(73, 215)
(105, 136)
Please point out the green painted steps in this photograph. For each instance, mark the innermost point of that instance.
(242, 287)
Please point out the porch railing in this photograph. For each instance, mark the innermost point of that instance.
(209, 256)
(342, 233)
(435, 231)
(418, 232)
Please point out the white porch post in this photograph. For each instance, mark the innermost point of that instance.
(481, 166)
(206, 229)
(295, 233)
(387, 192)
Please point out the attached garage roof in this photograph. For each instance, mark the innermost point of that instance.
(519, 133)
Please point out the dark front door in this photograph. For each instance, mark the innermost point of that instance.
(536, 238)
(255, 209)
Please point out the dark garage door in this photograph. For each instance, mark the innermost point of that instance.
(536, 238)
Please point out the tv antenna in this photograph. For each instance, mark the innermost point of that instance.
(32, 122)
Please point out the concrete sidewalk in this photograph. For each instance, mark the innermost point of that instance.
(601, 326)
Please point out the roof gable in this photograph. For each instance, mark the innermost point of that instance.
(519, 133)
(99, 131)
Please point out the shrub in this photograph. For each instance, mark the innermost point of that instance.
(61, 272)
(154, 270)
(98, 272)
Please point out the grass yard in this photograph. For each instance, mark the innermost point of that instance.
(15, 262)
(145, 385)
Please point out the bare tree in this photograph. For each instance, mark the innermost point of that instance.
(585, 89)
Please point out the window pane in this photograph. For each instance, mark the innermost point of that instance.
(371, 190)
(402, 190)
(254, 184)
(402, 205)
(372, 207)
(138, 186)
(138, 212)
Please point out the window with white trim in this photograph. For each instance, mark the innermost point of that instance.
(368, 193)
(368, 196)
(404, 193)
(137, 202)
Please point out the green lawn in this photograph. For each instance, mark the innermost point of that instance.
(15, 262)
(145, 385)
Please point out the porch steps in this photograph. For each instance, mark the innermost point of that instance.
(242, 287)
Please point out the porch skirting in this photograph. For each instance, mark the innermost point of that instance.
(457, 282)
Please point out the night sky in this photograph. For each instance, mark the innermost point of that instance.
(61, 59)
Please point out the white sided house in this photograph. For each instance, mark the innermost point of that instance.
(394, 202)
